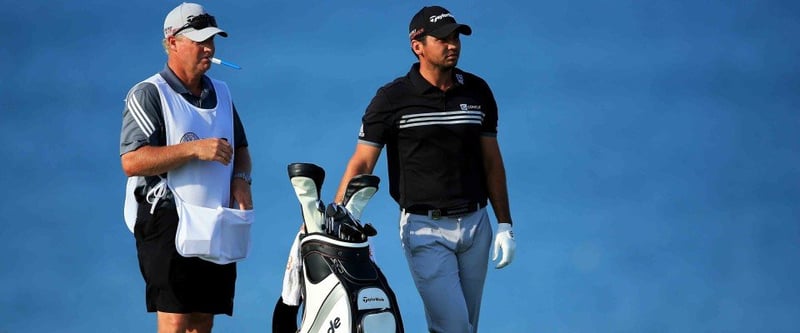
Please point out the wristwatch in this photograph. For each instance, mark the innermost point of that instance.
(244, 176)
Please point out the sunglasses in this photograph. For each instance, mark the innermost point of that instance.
(198, 22)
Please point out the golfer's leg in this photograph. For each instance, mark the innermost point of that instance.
(473, 261)
(428, 246)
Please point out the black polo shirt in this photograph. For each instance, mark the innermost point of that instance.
(432, 138)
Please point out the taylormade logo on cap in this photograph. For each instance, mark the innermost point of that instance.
(436, 18)
(435, 21)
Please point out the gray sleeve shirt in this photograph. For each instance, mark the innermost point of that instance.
(146, 125)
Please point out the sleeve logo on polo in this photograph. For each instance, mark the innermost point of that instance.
(361, 131)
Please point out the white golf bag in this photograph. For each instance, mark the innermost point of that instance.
(343, 290)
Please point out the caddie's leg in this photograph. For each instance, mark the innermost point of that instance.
(429, 247)
(172, 322)
(200, 323)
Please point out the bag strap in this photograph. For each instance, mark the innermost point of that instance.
(156, 193)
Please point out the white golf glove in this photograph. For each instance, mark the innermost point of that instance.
(504, 240)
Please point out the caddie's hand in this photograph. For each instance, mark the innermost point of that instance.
(241, 194)
(504, 240)
(214, 149)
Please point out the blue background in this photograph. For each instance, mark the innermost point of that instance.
(652, 152)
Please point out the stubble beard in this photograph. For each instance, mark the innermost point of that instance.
(447, 65)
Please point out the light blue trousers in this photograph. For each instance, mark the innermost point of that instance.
(448, 258)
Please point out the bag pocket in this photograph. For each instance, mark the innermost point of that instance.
(378, 322)
(220, 235)
(196, 228)
(233, 238)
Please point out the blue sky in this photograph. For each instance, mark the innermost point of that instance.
(652, 153)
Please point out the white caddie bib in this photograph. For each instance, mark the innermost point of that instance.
(207, 228)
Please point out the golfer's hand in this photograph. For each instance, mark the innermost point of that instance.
(504, 240)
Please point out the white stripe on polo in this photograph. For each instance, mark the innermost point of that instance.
(140, 116)
(441, 118)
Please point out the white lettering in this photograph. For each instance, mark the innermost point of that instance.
(436, 18)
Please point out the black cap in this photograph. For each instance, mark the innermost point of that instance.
(435, 21)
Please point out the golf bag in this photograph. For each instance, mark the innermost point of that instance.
(342, 288)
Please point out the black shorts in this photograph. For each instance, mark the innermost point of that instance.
(174, 283)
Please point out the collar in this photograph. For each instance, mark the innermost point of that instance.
(422, 86)
(176, 84)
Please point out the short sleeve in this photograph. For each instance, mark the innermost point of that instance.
(490, 112)
(141, 121)
(376, 123)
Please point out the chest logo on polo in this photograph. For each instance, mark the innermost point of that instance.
(460, 78)
(465, 107)
(189, 136)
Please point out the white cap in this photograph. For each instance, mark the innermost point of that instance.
(181, 15)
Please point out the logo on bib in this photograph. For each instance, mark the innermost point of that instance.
(189, 136)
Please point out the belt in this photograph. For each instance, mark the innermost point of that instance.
(436, 213)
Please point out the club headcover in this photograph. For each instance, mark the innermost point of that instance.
(307, 182)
